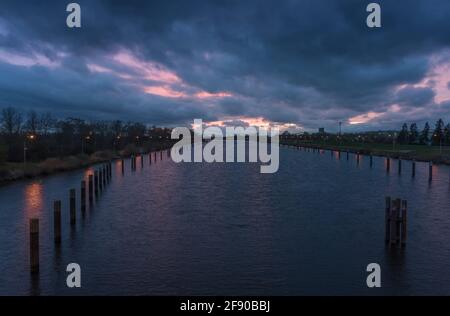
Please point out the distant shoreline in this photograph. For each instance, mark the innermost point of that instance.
(405, 152)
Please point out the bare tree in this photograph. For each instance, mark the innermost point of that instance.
(32, 124)
(11, 121)
(47, 122)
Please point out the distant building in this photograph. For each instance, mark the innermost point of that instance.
(321, 130)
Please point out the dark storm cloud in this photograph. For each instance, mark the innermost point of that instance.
(307, 62)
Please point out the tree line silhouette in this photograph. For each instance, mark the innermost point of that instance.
(36, 136)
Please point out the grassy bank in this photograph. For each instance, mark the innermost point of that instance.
(407, 152)
(15, 171)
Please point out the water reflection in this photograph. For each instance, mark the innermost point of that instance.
(33, 199)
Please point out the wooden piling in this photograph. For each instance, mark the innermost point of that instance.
(104, 176)
(339, 154)
(91, 189)
(414, 168)
(348, 156)
(34, 245)
(96, 183)
(430, 171)
(150, 158)
(399, 166)
(357, 158)
(57, 221)
(83, 196)
(371, 161)
(142, 161)
(387, 219)
(388, 164)
(123, 166)
(404, 222)
(100, 181)
(160, 155)
(72, 207)
(395, 222)
(155, 155)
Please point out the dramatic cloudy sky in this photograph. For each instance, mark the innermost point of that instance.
(300, 64)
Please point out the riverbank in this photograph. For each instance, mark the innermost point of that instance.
(15, 171)
(405, 152)
(11, 171)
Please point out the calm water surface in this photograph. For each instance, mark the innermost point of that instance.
(226, 229)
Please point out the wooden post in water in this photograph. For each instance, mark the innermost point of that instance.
(72, 207)
(83, 196)
(34, 245)
(123, 166)
(155, 155)
(393, 221)
(142, 161)
(91, 189)
(104, 176)
(357, 159)
(387, 219)
(57, 221)
(430, 171)
(414, 168)
(396, 222)
(100, 180)
(404, 222)
(96, 183)
(160, 155)
(371, 161)
(388, 164)
(348, 156)
(339, 154)
(399, 166)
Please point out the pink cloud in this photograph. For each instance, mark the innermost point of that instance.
(27, 60)
(164, 91)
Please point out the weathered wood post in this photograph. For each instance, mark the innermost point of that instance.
(399, 166)
(388, 164)
(430, 171)
(357, 159)
(122, 165)
(404, 222)
(371, 161)
(72, 207)
(150, 158)
(83, 196)
(96, 183)
(34, 245)
(142, 161)
(393, 221)
(57, 221)
(348, 156)
(414, 168)
(155, 155)
(160, 155)
(100, 181)
(91, 189)
(387, 219)
(104, 176)
(339, 154)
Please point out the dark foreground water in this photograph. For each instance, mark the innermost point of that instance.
(226, 229)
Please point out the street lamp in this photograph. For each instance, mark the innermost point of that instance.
(30, 137)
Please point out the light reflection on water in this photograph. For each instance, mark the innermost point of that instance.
(185, 229)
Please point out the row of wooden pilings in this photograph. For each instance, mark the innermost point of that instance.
(388, 160)
(89, 191)
(133, 159)
(96, 185)
(396, 209)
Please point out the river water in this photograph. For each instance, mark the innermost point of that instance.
(226, 229)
